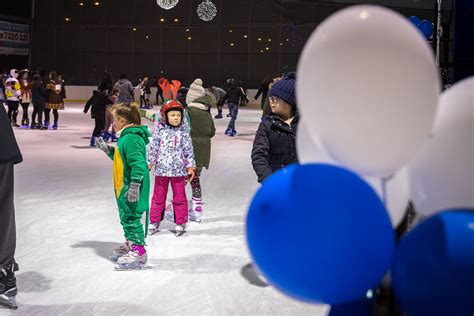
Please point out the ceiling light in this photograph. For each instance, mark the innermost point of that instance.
(206, 10)
(176, 20)
(162, 20)
(147, 37)
(269, 39)
(231, 44)
(259, 39)
(245, 36)
(134, 29)
(96, 3)
(189, 37)
(81, 3)
(167, 4)
(267, 48)
(187, 30)
(67, 19)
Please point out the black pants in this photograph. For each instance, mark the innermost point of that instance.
(99, 126)
(12, 109)
(37, 111)
(47, 115)
(25, 110)
(7, 215)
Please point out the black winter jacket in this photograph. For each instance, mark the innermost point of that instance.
(234, 95)
(38, 94)
(274, 146)
(10, 152)
(99, 102)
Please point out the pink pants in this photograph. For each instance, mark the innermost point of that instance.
(158, 201)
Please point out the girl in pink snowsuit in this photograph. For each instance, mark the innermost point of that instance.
(171, 152)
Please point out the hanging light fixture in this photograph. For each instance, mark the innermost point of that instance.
(206, 10)
(167, 4)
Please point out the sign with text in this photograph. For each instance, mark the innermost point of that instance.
(14, 38)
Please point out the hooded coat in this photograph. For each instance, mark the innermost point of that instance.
(125, 87)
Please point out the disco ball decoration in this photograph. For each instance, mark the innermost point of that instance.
(167, 4)
(206, 10)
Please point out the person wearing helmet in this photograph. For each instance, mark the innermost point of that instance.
(171, 152)
(13, 95)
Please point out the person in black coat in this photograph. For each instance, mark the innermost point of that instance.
(233, 98)
(274, 145)
(264, 88)
(9, 156)
(38, 98)
(99, 103)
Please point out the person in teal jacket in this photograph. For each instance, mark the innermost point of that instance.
(131, 183)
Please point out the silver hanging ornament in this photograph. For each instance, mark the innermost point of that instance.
(167, 4)
(206, 10)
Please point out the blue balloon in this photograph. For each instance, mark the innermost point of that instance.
(415, 20)
(426, 27)
(433, 272)
(320, 233)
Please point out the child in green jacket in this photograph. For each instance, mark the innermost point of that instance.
(131, 182)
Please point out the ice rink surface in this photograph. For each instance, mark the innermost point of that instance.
(67, 224)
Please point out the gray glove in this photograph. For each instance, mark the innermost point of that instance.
(102, 145)
(133, 192)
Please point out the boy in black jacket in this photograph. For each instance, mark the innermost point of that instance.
(274, 145)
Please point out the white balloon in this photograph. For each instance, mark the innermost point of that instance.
(397, 190)
(442, 174)
(368, 83)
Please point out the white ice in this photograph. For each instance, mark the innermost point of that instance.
(67, 224)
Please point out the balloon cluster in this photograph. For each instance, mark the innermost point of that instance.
(374, 134)
(426, 27)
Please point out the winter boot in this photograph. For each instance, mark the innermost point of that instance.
(228, 115)
(218, 116)
(8, 288)
(13, 123)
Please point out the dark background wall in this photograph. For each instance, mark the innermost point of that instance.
(248, 39)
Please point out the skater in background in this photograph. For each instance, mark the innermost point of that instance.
(2, 90)
(145, 93)
(228, 83)
(202, 130)
(107, 83)
(13, 95)
(216, 94)
(38, 98)
(125, 88)
(53, 100)
(25, 88)
(181, 97)
(63, 89)
(263, 90)
(131, 182)
(233, 98)
(100, 104)
(9, 156)
(274, 144)
(159, 93)
(171, 152)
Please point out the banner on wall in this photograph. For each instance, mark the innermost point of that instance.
(14, 38)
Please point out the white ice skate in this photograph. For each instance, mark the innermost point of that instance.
(196, 212)
(153, 228)
(120, 251)
(180, 229)
(132, 261)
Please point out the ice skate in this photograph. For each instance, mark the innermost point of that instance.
(25, 123)
(120, 251)
(55, 125)
(179, 230)
(154, 228)
(218, 116)
(46, 125)
(196, 211)
(132, 260)
(8, 288)
(14, 124)
(113, 138)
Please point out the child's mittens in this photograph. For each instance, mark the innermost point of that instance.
(133, 193)
(191, 174)
(102, 145)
